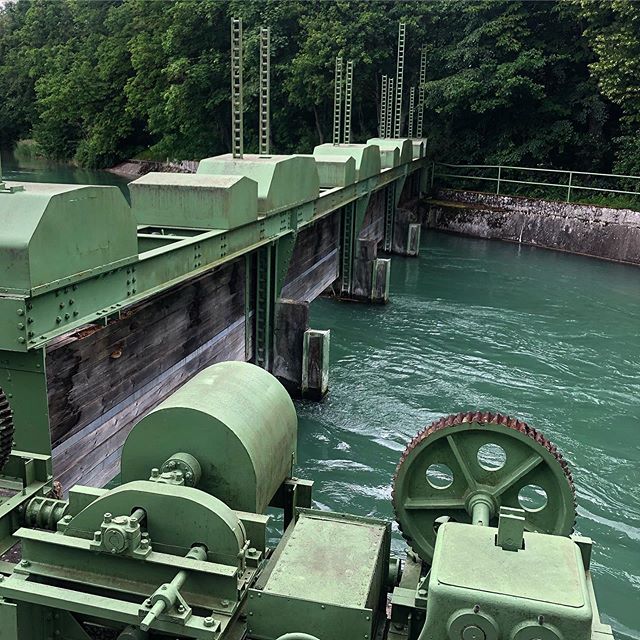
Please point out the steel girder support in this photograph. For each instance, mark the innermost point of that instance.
(389, 216)
(271, 266)
(352, 220)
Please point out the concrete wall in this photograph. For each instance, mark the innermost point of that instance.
(591, 230)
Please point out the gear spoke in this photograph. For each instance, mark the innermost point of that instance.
(466, 471)
(517, 474)
(429, 504)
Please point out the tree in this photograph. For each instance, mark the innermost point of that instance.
(613, 31)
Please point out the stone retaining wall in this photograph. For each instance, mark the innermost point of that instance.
(602, 232)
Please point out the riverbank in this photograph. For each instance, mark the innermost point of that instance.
(591, 230)
(135, 168)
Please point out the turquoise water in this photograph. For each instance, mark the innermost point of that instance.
(548, 337)
(545, 336)
(38, 170)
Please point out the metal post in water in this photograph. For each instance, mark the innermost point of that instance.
(348, 91)
(389, 107)
(265, 89)
(399, 79)
(337, 101)
(423, 79)
(236, 87)
(411, 109)
(383, 107)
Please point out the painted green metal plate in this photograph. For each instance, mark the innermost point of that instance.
(194, 201)
(332, 561)
(540, 592)
(367, 156)
(326, 580)
(283, 181)
(548, 569)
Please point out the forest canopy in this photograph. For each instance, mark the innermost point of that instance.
(553, 83)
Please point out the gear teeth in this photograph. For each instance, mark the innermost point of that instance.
(6, 429)
(481, 418)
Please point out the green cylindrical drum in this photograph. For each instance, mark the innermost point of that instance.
(236, 420)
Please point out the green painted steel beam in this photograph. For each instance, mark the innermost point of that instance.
(29, 321)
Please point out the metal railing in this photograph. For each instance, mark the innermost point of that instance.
(564, 181)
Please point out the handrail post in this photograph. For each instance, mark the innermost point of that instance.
(498, 185)
(433, 173)
(569, 186)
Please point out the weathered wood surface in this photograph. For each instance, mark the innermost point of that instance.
(291, 322)
(373, 225)
(101, 380)
(314, 261)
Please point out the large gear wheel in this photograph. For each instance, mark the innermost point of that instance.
(461, 459)
(6, 429)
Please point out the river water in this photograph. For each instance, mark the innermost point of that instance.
(548, 337)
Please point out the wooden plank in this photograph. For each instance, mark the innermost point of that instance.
(291, 322)
(92, 457)
(373, 224)
(90, 374)
(310, 284)
(314, 261)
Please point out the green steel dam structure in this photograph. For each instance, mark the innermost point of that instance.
(160, 341)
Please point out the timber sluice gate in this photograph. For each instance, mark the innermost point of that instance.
(106, 307)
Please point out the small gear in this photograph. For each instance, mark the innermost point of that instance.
(455, 443)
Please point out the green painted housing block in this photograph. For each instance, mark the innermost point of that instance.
(283, 181)
(195, 201)
(244, 458)
(419, 149)
(367, 156)
(512, 588)
(55, 233)
(403, 145)
(335, 171)
(326, 579)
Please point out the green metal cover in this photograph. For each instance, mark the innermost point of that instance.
(335, 171)
(188, 200)
(236, 419)
(283, 181)
(327, 580)
(176, 518)
(546, 578)
(367, 156)
(389, 158)
(53, 233)
(419, 148)
(404, 145)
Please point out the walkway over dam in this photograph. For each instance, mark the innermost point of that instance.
(107, 307)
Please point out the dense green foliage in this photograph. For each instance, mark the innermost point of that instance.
(540, 83)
